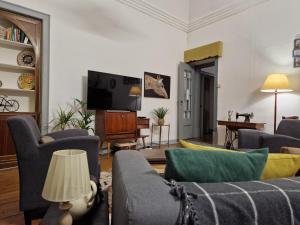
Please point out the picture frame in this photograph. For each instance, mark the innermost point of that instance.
(157, 85)
(296, 52)
(296, 62)
(297, 43)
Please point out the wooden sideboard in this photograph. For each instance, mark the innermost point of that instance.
(113, 126)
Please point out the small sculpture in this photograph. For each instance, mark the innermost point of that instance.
(247, 116)
(229, 113)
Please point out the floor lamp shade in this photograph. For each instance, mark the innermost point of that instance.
(68, 176)
(276, 83)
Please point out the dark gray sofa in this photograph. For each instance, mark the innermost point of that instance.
(287, 134)
(142, 197)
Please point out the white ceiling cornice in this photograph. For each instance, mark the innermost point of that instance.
(195, 24)
(156, 13)
(222, 13)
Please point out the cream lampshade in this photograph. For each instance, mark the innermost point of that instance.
(276, 83)
(67, 179)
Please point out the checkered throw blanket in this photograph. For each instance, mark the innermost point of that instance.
(274, 202)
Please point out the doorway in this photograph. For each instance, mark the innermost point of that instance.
(197, 105)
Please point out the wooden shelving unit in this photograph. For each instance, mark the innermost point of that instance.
(16, 67)
(28, 99)
(16, 90)
(14, 44)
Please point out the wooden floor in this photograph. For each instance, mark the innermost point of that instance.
(9, 193)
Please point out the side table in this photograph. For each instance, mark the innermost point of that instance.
(232, 128)
(98, 215)
(160, 132)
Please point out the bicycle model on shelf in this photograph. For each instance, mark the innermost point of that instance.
(8, 104)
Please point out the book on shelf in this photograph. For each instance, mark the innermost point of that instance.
(13, 33)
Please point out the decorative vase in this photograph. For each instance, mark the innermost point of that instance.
(83, 205)
(161, 121)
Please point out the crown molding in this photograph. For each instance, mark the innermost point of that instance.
(156, 13)
(195, 24)
(222, 13)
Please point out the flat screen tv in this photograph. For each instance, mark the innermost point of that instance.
(113, 92)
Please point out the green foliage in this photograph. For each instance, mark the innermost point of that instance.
(63, 119)
(160, 112)
(84, 119)
(75, 116)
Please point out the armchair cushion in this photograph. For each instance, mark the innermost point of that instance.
(46, 139)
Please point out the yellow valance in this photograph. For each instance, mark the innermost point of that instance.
(206, 51)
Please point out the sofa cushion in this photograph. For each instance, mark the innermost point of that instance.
(277, 165)
(214, 166)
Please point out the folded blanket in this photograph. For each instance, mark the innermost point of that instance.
(273, 202)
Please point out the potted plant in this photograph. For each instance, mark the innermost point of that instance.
(84, 119)
(160, 114)
(63, 119)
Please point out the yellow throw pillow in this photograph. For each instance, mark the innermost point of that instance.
(277, 166)
(192, 146)
(281, 165)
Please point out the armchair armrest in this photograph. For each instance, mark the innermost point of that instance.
(290, 150)
(250, 139)
(88, 143)
(68, 133)
(275, 142)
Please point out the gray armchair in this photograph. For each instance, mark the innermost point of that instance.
(287, 134)
(34, 158)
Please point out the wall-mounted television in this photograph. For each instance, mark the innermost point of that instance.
(113, 92)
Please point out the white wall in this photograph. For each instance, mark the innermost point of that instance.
(111, 37)
(257, 42)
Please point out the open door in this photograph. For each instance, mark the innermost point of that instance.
(186, 75)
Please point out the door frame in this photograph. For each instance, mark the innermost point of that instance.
(213, 61)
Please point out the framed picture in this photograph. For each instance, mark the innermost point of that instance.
(296, 52)
(156, 85)
(297, 43)
(297, 62)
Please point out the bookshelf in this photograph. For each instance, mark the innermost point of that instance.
(14, 44)
(20, 34)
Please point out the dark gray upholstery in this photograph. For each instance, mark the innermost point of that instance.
(34, 158)
(287, 134)
(140, 195)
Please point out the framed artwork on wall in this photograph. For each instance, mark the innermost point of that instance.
(296, 61)
(297, 43)
(156, 85)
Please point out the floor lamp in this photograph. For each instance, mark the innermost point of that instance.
(135, 91)
(276, 83)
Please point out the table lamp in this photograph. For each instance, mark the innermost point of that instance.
(67, 179)
(135, 91)
(276, 83)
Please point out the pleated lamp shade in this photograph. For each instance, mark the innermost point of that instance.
(68, 176)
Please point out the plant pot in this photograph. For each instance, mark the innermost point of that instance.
(161, 122)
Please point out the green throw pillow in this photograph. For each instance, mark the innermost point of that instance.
(214, 166)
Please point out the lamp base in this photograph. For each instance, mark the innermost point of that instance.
(66, 218)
